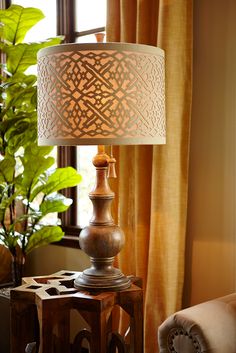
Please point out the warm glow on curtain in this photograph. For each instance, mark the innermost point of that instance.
(152, 184)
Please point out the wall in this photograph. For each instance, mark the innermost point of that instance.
(53, 258)
(211, 232)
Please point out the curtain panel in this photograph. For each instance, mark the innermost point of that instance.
(152, 184)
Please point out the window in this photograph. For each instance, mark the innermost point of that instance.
(88, 22)
(78, 23)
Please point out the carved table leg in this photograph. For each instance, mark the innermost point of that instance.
(24, 324)
(54, 325)
(99, 332)
(132, 303)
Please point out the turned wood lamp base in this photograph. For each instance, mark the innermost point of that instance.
(102, 240)
(93, 281)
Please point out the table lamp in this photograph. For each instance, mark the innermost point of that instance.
(101, 94)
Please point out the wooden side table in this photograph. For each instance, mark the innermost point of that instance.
(40, 312)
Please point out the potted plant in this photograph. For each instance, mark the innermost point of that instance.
(29, 181)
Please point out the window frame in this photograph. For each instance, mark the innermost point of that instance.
(4, 4)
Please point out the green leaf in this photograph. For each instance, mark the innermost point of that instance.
(19, 97)
(21, 131)
(10, 240)
(7, 169)
(6, 201)
(24, 55)
(62, 178)
(33, 168)
(27, 136)
(37, 151)
(19, 79)
(17, 21)
(55, 203)
(44, 236)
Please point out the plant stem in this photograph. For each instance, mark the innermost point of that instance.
(26, 221)
(12, 205)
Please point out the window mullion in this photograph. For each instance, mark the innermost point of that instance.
(66, 19)
(4, 4)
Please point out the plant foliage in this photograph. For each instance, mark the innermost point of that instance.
(29, 184)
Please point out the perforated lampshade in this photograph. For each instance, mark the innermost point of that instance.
(101, 93)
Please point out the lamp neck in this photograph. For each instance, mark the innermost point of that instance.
(101, 195)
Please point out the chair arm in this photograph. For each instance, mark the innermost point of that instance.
(209, 327)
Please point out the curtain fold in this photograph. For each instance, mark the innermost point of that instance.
(152, 181)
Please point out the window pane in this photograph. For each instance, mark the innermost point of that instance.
(85, 167)
(90, 14)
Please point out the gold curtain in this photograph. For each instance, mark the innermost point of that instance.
(152, 180)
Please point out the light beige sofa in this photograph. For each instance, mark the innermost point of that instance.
(209, 327)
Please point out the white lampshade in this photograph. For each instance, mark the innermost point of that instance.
(101, 93)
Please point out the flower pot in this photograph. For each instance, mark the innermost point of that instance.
(18, 263)
(5, 265)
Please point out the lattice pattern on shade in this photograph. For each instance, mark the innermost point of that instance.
(109, 94)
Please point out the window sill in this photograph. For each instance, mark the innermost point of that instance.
(71, 237)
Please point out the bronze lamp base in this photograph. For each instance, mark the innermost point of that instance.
(94, 280)
(102, 240)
